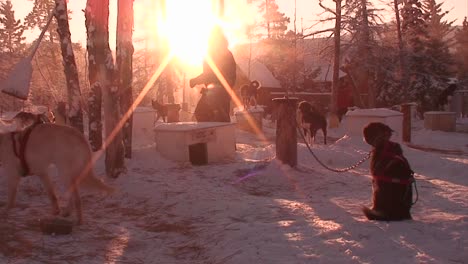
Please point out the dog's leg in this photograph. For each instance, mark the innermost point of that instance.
(50, 192)
(156, 118)
(77, 202)
(13, 180)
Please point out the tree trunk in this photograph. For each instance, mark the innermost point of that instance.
(364, 54)
(95, 96)
(124, 68)
(403, 70)
(114, 161)
(75, 113)
(336, 68)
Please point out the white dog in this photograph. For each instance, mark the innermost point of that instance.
(33, 150)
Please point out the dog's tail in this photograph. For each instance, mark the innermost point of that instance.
(95, 183)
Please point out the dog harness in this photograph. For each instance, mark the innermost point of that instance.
(20, 140)
(384, 178)
(393, 180)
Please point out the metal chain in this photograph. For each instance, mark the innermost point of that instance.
(329, 168)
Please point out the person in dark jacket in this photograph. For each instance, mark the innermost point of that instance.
(218, 76)
(392, 176)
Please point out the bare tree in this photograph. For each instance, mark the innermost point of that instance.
(75, 113)
(336, 65)
(95, 94)
(124, 68)
(99, 13)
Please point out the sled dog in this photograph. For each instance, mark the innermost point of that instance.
(249, 94)
(161, 111)
(310, 120)
(31, 152)
(23, 119)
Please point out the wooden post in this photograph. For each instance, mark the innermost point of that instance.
(406, 110)
(286, 140)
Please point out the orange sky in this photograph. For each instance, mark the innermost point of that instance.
(306, 9)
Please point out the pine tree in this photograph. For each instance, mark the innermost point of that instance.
(440, 59)
(37, 18)
(415, 36)
(436, 26)
(462, 52)
(428, 53)
(11, 32)
(361, 21)
(275, 22)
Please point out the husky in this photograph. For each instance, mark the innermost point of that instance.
(249, 94)
(311, 120)
(31, 152)
(161, 111)
(23, 119)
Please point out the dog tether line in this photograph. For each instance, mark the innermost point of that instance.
(330, 168)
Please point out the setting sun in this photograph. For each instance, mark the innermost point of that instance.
(186, 26)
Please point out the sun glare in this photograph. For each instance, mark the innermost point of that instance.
(186, 28)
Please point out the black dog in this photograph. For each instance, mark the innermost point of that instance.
(161, 111)
(249, 94)
(391, 176)
(311, 121)
(442, 100)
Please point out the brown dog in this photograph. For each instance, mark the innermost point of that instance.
(161, 111)
(33, 150)
(391, 176)
(311, 121)
(23, 119)
(249, 94)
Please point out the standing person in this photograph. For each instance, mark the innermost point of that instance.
(392, 176)
(213, 106)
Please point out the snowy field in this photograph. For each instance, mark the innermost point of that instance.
(254, 210)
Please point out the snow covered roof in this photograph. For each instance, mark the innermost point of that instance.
(259, 72)
(326, 72)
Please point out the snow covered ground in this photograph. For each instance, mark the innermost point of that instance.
(254, 210)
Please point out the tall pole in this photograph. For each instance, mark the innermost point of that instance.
(336, 68)
(295, 49)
